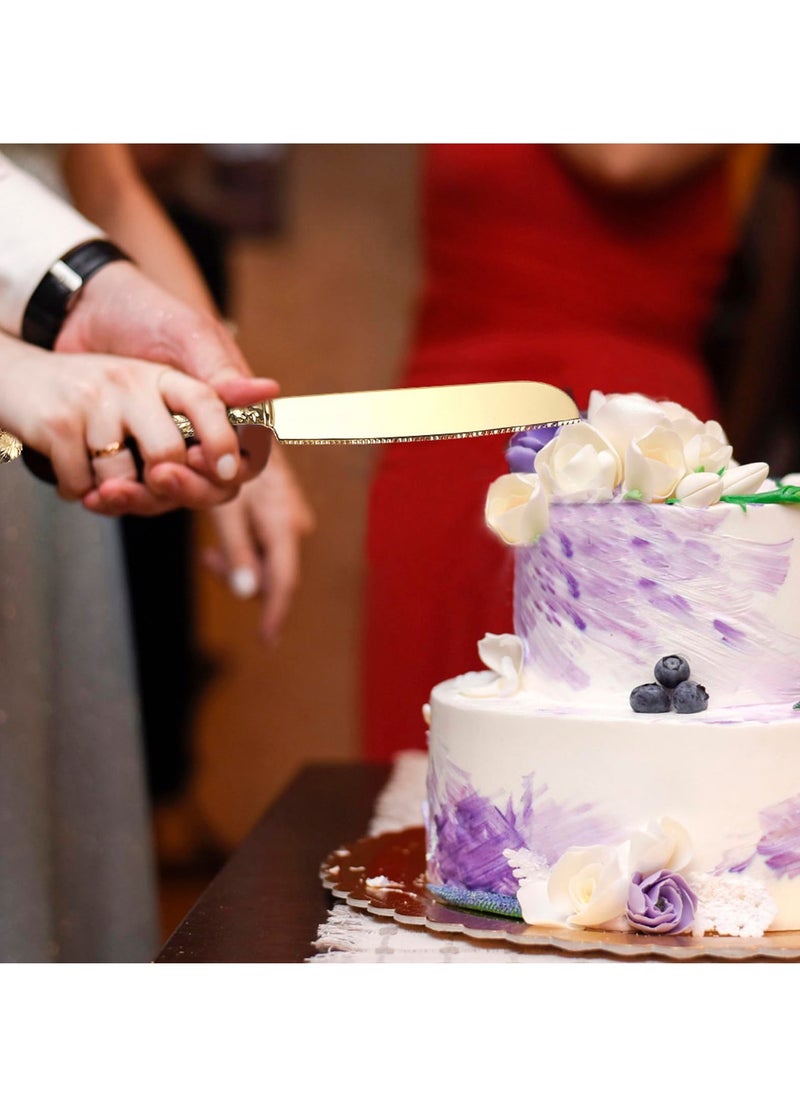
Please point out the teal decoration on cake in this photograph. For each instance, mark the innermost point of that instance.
(503, 905)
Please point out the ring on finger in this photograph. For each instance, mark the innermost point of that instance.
(107, 450)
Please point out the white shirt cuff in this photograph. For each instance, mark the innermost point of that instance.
(36, 229)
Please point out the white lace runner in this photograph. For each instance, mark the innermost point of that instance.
(351, 936)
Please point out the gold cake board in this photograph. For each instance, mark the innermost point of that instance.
(384, 875)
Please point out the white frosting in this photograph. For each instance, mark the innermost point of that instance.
(544, 745)
(709, 783)
(610, 589)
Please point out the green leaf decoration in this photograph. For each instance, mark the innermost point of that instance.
(787, 495)
(635, 494)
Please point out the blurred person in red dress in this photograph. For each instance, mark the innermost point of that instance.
(584, 266)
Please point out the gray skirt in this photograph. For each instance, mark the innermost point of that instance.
(76, 863)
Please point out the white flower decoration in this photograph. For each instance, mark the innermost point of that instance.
(504, 654)
(663, 846)
(579, 465)
(517, 509)
(699, 489)
(622, 419)
(706, 452)
(588, 886)
(654, 464)
(746, 479)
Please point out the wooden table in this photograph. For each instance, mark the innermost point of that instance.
(267, 902)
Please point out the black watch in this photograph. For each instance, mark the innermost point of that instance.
(58, 290)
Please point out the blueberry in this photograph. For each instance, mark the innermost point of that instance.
(650, 698)
(689, 697)
(671, 670)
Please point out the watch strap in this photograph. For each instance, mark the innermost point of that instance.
(57, 292)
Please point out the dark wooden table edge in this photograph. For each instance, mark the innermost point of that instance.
(267, 902)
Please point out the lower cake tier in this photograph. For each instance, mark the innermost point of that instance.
(644, 823)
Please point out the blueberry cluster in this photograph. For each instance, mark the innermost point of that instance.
(671, 691)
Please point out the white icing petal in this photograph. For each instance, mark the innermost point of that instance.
(793, 479)
(504, 654)
(536, 906)
(699, 489)
(517, 509)
(579, 465)
(426, 714)
(623, 419)
(706, 453)
(681, 419)
(664, 845)
(590, 884)
(745, 479)
(654, 465)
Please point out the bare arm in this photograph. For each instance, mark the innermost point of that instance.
(639, 167)
(107, 187)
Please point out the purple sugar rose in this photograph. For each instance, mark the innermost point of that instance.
(524, 446)
(661, 903)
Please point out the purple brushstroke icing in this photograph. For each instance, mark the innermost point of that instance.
(641, 571)
(468, 831)
(729, 633)
(780, 843)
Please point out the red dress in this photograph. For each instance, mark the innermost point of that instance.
(530, 274)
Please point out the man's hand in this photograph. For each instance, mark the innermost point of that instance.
(121, 311)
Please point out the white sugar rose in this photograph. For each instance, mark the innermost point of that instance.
(664, 846)
(746, 479)
(699, 489)
(579, 465)
(678, 414)
(517, 509)
(622, 419)
(654, 465)
(588, 886)
(706, 452)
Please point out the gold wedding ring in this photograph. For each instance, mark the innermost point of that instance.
(106, 451)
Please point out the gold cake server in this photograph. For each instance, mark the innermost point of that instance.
(392, 415)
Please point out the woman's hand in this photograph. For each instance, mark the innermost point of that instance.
(259, 535)
(71, 406)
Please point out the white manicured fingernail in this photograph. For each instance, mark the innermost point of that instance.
(243, 582)
(226, 467)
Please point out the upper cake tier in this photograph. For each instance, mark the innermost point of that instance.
(638, 536)
(609, 589)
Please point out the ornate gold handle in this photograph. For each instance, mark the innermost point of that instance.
(257, 414)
